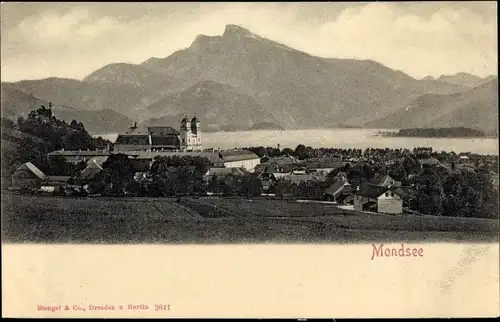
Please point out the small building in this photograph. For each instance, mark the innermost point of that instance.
(224, 172)
(94, 166)
(379, 199)
(387, 181)
(284, 160)
(428, 161)
(463, 159)
(52, 183)
(300, 178)
(339, 190)
(79, 156)
(240, 159)
(27, 176)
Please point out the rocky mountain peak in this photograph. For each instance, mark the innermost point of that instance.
(235, 30)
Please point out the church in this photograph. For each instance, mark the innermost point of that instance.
(162, 138)
(143, 144)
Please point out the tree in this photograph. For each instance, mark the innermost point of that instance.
(430, 193)
(117, 173)
(250, 186)
(287, 151)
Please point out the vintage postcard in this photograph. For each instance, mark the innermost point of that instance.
(295, 160)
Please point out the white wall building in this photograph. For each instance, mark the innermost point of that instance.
(240, 159)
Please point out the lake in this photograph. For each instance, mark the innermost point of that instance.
(338, 138)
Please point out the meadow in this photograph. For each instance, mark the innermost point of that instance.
(212, 220)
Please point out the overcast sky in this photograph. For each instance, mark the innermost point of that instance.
(41, 40)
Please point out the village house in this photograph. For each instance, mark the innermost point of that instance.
(340, 189)
(387, 181)
(300, 178)
(52, 183)
(78, 156)
(94, 166)
(240, 159)
(379, 199)
(323, 165)
(428, 161)
(224, 172)
(27, 176)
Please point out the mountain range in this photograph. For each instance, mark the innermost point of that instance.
(476, 108)
(240, 79)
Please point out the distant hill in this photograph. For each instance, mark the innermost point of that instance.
(17, 103)
(452, 132)
(476, 109)
(216, 105)
(126, 99)
(265, 126)
(465, 79)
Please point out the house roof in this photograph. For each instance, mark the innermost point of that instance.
(284, 159)
(377, 178)
(323, 164)
(298, 178)
(96, 162)
(374, 191)
(279, 175)
(337, 187)
(57, 178)
(269, 168)
(132, 139)
(33, 169)
(386, 181)
(428, 161)
(370, 190)
(227, 171)
(80, 153)
(88, 173)
(341, 174)
(237, 155)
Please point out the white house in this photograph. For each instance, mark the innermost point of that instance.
(240, 159)
(379, 199)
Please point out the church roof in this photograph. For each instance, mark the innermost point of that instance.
(162, 130)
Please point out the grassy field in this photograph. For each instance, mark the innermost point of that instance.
(37, 219)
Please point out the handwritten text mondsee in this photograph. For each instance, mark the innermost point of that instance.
(403, 251)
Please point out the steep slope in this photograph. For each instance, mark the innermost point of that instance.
(17, 103)
(216, 105)
(132, 75)
(476, 108)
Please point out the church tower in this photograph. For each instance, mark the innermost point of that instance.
(190, 134)
(196, 134)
